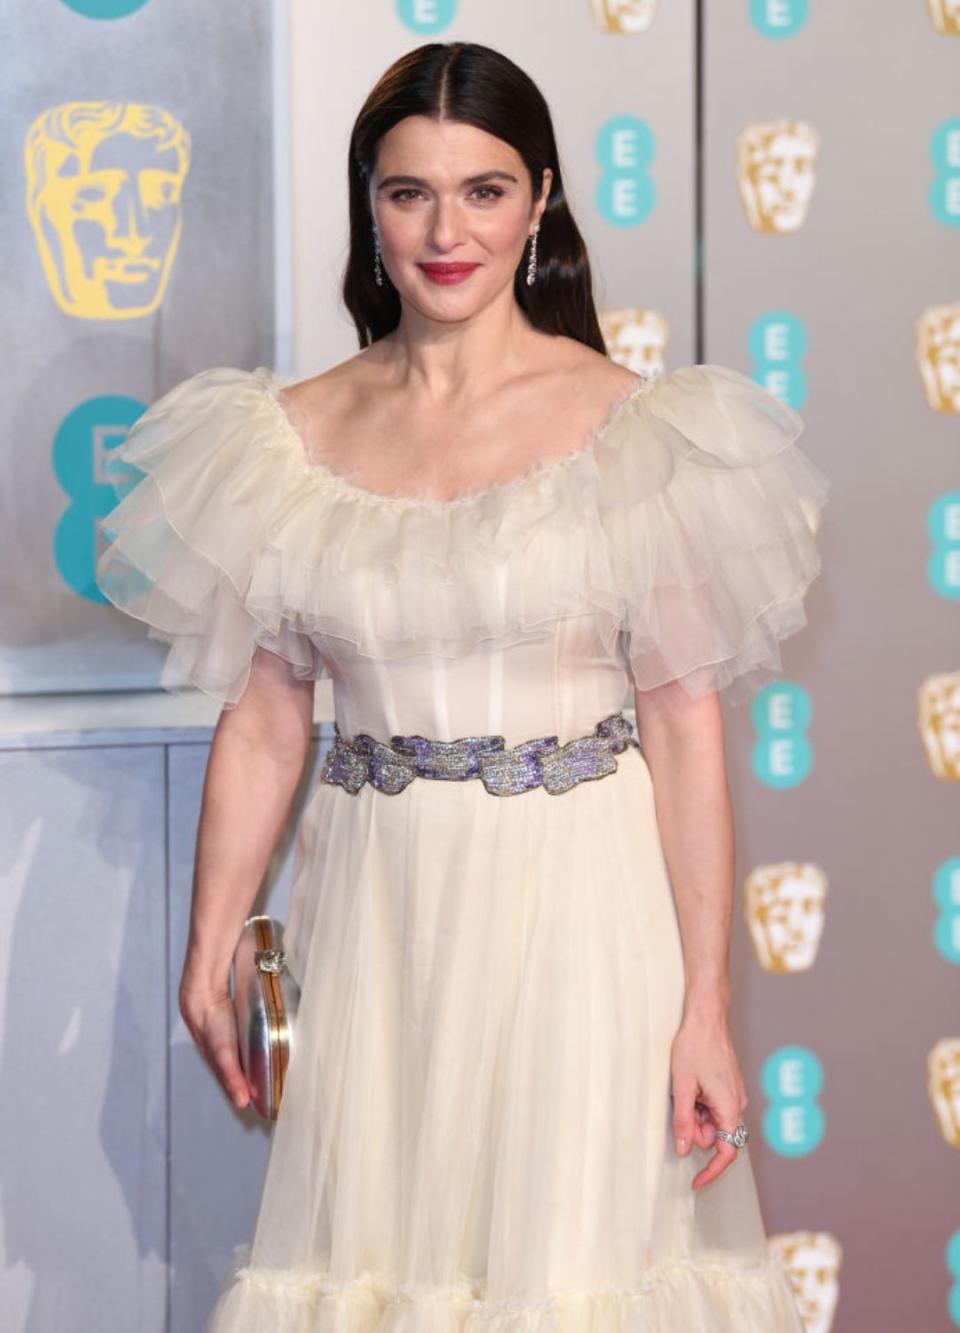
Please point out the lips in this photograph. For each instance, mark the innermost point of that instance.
(448, 274)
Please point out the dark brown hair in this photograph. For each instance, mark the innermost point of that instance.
(474, 85)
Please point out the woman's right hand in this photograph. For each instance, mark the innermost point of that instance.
(211, 1019)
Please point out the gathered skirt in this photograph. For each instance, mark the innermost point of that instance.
(476, 1134)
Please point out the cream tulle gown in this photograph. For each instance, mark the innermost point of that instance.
(475, 1135)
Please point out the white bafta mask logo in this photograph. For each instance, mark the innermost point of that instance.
(776, 167)
(635, 338)
(938, 717)
(813, 1260)
(943, 1087)
(945, 16)
(937, 349)
(784, 907)
(623, 16)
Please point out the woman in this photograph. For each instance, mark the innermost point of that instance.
(514, 1101)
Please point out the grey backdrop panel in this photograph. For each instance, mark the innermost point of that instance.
(874, 82)
(209, 67)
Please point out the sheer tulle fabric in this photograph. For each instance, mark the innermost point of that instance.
(689, 519)
(475, 1132)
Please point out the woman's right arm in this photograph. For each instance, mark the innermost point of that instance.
(256, 761)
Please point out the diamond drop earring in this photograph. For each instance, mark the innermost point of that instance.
(532, 261)
(377, 270)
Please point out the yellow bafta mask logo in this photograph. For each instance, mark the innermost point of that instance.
(623, 16)
(784, 907)
(103, 187)
(635, 338)
(813, 1260)
(937, 349)
(776, 170)
(938, 718)
(945, 16)
(943, 1087)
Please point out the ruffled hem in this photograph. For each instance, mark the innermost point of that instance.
(688, 520)
(708, 1296)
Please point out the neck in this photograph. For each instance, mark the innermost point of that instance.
(447, 362)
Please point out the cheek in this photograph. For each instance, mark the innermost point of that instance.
(402, 235)
(503, 233)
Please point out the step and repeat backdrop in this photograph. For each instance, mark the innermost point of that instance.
(772, 185)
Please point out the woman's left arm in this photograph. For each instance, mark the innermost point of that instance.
(683, 743)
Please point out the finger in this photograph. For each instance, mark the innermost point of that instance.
(684, 1098)
(222, 1047)
(705, 1134)
(704, 1131)
(724, 1154)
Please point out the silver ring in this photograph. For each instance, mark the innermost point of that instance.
(739, 1136)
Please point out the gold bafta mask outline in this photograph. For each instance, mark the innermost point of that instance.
(784, 908)
(623, 17)
(937, 350)
(103, 187)
(943, 1087)
(945, 16)
(635, 338)
(776, 169)
(938, 719)
(813, 1260)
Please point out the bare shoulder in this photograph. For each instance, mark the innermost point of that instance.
(593, 377)
(325, 406)
(335, 386)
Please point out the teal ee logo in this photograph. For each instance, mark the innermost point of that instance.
(777, 346)
(782, 756)
(81, 464)
(625, 194)
(943, 527)
(426, 15)
(793, 1123)
(105, 9)
(778, 18)
(946, 895)
(943, 195)
(952, 1256)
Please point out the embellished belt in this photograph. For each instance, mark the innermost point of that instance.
(504, 772)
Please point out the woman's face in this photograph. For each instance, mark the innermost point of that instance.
(447, 194)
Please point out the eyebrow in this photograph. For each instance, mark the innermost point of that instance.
(468, 180)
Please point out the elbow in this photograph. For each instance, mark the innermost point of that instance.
(670, 720)
(274, 715)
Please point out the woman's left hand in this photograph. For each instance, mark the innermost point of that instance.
(708, 1090)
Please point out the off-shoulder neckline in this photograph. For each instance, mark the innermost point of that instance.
(273, 382)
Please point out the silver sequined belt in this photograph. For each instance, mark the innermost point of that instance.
(542, 762)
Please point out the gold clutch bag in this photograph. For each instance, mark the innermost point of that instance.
(266, 999)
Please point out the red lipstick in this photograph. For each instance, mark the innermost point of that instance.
(445, 274)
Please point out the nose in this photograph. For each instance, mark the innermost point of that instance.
(446, 226)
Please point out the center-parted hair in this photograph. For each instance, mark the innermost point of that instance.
(473, 85)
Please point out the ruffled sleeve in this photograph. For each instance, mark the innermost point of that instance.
(194, 511)
(711, 511)
(687, 524)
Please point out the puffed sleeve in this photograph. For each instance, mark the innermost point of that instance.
(199, 490)
(712, 511)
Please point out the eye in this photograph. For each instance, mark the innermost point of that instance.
(488, 192)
